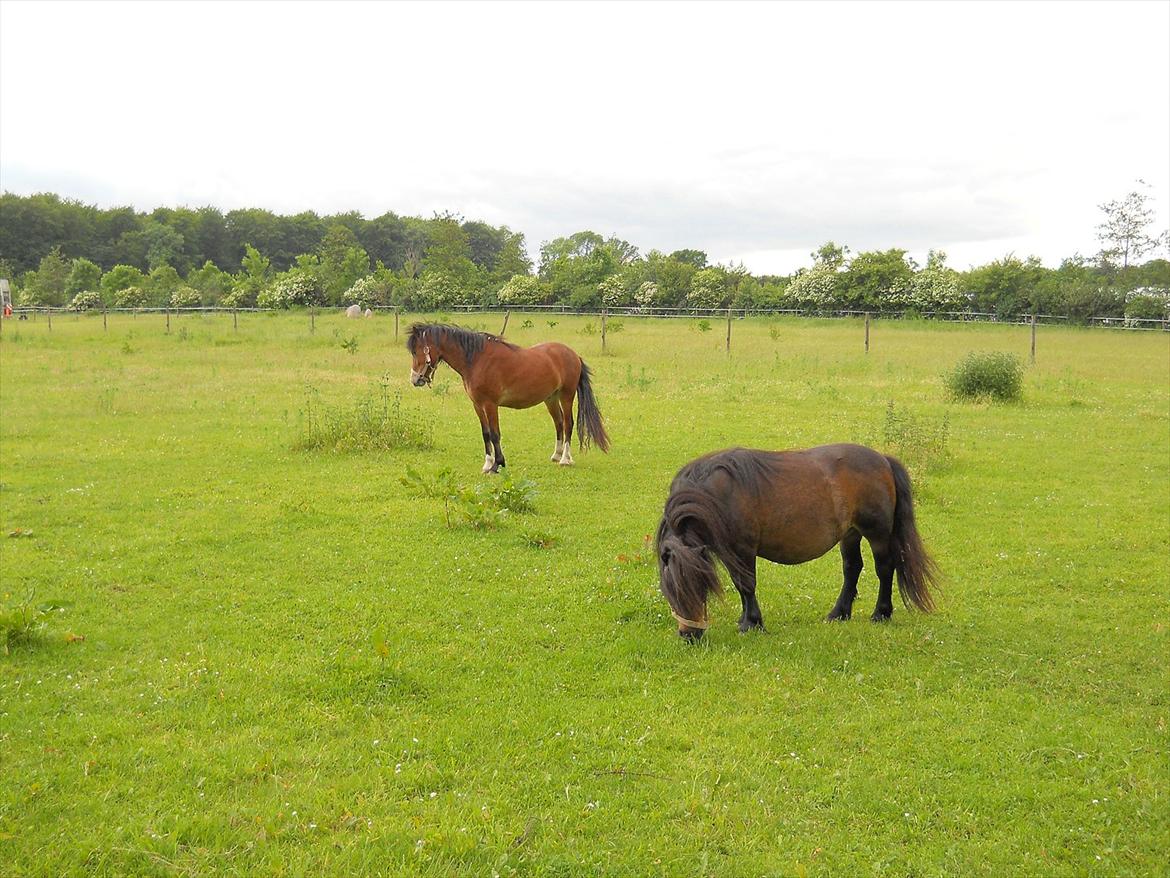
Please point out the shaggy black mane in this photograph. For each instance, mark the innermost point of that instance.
(470, 341)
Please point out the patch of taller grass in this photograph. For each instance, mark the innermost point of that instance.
(375, 422)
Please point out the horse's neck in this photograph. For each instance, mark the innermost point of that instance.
(453, 356)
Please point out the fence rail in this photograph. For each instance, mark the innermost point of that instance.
(1130, 323)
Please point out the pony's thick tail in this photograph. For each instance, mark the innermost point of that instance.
(917, 572)
(589, 425)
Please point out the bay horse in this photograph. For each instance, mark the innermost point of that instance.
(498, 373)
(789, 507)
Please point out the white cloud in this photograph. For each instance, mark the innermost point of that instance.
(753, 131)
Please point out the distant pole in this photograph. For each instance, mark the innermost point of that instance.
(168, 310)
(729, 329)
(396, 323)
(867, 332)
(507, 314)
(312, 320)
(1033, 338)
(235, 320)
(50, 310)
(104, 326)
(604, 315)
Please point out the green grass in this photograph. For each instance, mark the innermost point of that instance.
(292, 666)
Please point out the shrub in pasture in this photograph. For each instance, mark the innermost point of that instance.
(521, 289)
(186, 297)
(375, 422)
(86, 301)
(527, 324)
(294, 288)
(1152, 305)
(615, 326)
(350, 345)
(708, 289)
(647, 295)
(994, 375)
(130, 297)
(703, 326)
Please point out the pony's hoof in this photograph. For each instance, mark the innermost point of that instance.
(745, 627)
(566, 463)
(881, 616)
(556, 458)
(839, 616)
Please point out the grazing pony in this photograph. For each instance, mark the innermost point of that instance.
(788, 507)
(498, 373)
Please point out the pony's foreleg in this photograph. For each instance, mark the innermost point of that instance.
(489, 455)
(883, 561)
(493, 419)
(851, 566)
(745, 584)
(554, 410)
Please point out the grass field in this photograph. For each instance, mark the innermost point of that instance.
(279, 662)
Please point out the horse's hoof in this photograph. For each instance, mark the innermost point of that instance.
(838, 616)
(566, 463)
(879, 616)
(745, 627)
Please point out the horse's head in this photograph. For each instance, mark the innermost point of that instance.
(425, 357)
(686, 576)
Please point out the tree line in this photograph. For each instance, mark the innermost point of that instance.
(61, 252)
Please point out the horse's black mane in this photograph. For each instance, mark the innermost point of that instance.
(470, 341)
(746, 466)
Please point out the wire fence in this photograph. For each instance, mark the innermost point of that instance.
(675, 312)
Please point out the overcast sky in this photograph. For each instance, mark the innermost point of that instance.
(752, 131)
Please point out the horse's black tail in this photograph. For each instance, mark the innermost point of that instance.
(916, 570)
(589, 426)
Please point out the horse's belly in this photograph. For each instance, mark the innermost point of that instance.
(522, 399)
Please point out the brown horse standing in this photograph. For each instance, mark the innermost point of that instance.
(789, 507)
(498, 373)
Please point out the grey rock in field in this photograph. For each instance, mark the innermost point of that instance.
(369, 313)
(353, 311)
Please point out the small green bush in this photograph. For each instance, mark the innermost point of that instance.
(483, 505)
(22, 621)
(994, 375)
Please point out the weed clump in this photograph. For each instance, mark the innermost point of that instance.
(916, 442)
(483, 506)
(993, 375)
(376, 422)
(22, 621)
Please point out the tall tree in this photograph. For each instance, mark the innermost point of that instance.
(1124, 233)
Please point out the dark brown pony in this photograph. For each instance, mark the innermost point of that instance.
(789, 507)
(498, 373)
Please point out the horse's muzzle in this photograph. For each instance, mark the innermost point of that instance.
(418, 379)
(691, 635)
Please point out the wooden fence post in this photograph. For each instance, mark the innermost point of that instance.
(168, 310)
(1033, 339)
(104, 325)
(729, 329)
(312, 321)
(867, 332)
(504, 329)
(396, 323)
(604, 316)
(50, 310)
(235, 320)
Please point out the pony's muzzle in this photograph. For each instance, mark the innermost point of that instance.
(418, 379)
(691, 635)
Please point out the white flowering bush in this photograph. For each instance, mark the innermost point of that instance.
(613, 291)
(86, 300)
(708, 289)
(521, 289)
(367, 292)
(186, 297)
(815, 288)
(130, 297)
(436, 290)
(647, 295)
(294, 288)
